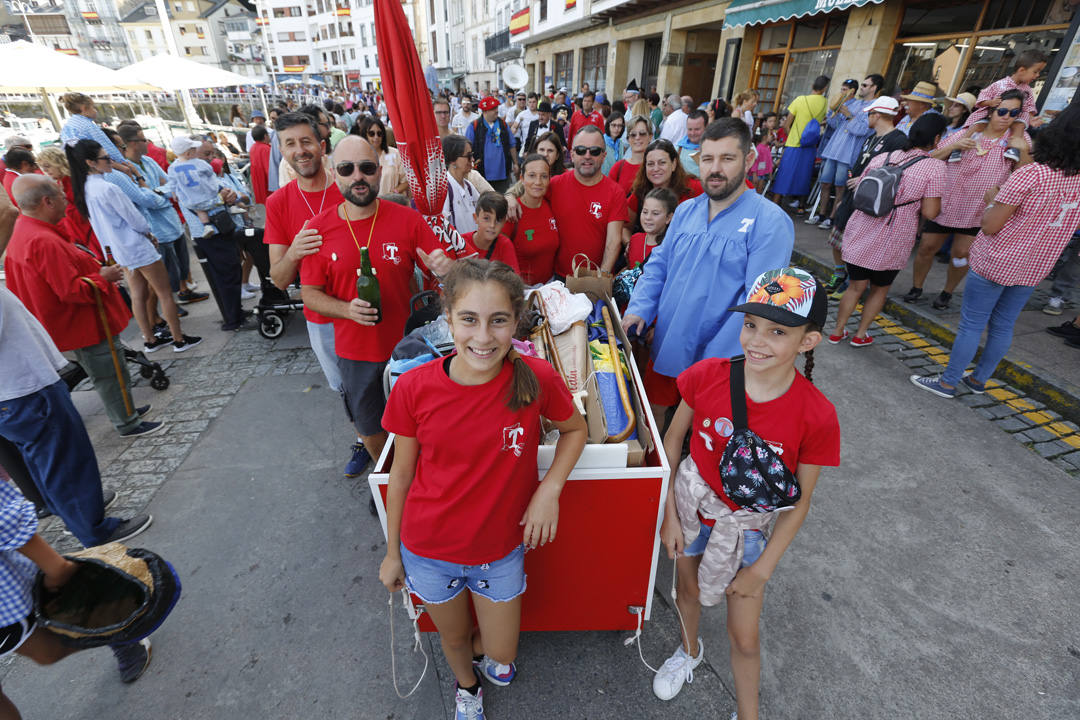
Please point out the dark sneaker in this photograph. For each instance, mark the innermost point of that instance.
(187, 296)
(161, 330)
(109, 496)
(156, 344)
(128, 529)
(973, 385)
(358, 462)
(248, 323)
(1073, 342)
(941, 302)
(144, 428)
(1065, 330)
(933, 384)
(144, 410)
(188, 342)
(913, 295)
(132, 659)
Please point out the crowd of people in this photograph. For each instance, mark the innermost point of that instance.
(670, 195)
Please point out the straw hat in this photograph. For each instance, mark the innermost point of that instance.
(966, 99)
(922, 92)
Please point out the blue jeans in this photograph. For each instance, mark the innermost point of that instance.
(438, 581)
(991, 306)
(49, 432)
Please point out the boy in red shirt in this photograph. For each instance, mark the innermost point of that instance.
(587, 115)
(487, 241)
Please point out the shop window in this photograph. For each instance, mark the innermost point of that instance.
(834, 33)
(802, 68)
(594, 67)
(776, 37)
(936, 61)
(1001, 14)
(994, 56)
(564, 70)
(937, 17)
(808, 32)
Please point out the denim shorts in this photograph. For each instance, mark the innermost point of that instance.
(753, 544)
(834, 172)
(438, 581)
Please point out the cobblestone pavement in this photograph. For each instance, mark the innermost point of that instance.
(206, 385)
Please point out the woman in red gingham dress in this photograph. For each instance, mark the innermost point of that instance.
(1023, 233)
(977, 163)
(876, 249)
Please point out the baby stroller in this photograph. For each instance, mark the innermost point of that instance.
(275, 304)
(427, 336)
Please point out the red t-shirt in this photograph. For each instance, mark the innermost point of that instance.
(536, 240)
(800, 425)
(693, 189)
(502, 251)
(638, 250)
(588, 209)
(624, 172)
(286, 213)
(477, 466)
(398, 232)
(580, 120)
(260, 171)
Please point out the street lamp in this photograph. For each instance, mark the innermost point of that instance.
(22, 8)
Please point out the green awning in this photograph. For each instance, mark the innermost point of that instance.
(755, 12)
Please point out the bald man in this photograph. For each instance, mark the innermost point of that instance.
(397, 239)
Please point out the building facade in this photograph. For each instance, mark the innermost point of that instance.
(198, 27)
(709, 49)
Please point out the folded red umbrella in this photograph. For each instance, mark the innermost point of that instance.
(408, 102)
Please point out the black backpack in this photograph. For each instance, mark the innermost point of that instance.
(752, 474)
(875, 194)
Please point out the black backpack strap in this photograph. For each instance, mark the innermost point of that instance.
(738, 393)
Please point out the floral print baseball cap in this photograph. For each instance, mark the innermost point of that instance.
(789, 296)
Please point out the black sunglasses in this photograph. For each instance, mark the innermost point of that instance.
(1002, 112)
(594, 151)
(374, 133)
(103, 157)
(346, 169)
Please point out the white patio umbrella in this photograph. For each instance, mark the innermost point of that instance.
(35, 68)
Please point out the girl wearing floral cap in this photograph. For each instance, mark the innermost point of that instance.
(721, 548)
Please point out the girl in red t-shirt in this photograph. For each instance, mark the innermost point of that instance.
(464, 478)
(656, 214)
(784, 312)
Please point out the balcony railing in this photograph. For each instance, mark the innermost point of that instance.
(499, 47)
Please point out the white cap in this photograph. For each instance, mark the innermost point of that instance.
(885, 105)
(182, 144)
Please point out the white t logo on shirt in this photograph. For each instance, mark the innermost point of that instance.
(594, 210)
(746, 223)
(512, 437)
(390, 253)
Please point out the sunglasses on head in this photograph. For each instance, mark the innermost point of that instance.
(581, 150)
(1002, 112)
(346, 169)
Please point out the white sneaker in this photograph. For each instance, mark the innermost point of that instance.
(1053, 306)
(826, 224)
(250, 288)
(246, 294)
(793, 204)
(469, 706)
(812, 220)
(676, 671)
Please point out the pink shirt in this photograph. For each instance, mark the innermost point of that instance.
(994, 90)
(1025, 250)
(970, 178)
(885, 243)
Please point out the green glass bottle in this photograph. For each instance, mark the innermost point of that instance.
(367, 285)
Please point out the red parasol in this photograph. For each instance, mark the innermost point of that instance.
(408, 102)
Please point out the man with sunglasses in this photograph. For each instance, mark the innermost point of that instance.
(494, 146)
(397, 239)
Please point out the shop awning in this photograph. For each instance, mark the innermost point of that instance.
(755, 12)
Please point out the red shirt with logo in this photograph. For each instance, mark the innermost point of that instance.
(580, 120)
(536, 240)
(476, 471)
(501, 251)
(800, 425)
(286, 212)
(398, 232)
(587, 209)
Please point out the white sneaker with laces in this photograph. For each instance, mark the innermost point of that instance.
(676, 671)
(1053, 306)
(246, 294)
(825, 224)
(812, 220)
(469, 706)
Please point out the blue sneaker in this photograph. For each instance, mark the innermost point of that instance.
(132, 659)
(469, 706)
(496, 673)
(933, 384)
(359, 461)
(973, 385)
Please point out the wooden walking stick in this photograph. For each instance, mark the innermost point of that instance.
(128, 405)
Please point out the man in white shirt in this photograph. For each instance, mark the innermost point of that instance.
(525, 118)
(674, 127)
(464, 118)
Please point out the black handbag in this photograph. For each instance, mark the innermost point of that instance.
(223, 222)
(752, 474)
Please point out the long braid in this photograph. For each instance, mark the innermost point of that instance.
(808, 365)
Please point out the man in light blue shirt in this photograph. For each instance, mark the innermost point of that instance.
(690, 145)
(715, 247)
(850, 129)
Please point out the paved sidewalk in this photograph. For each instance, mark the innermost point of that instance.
(1039, 364)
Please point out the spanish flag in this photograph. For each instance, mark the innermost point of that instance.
(570, 4)
(262, 21)
(344, 12)
(519, 21)
(89, 15)
(294, 68)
